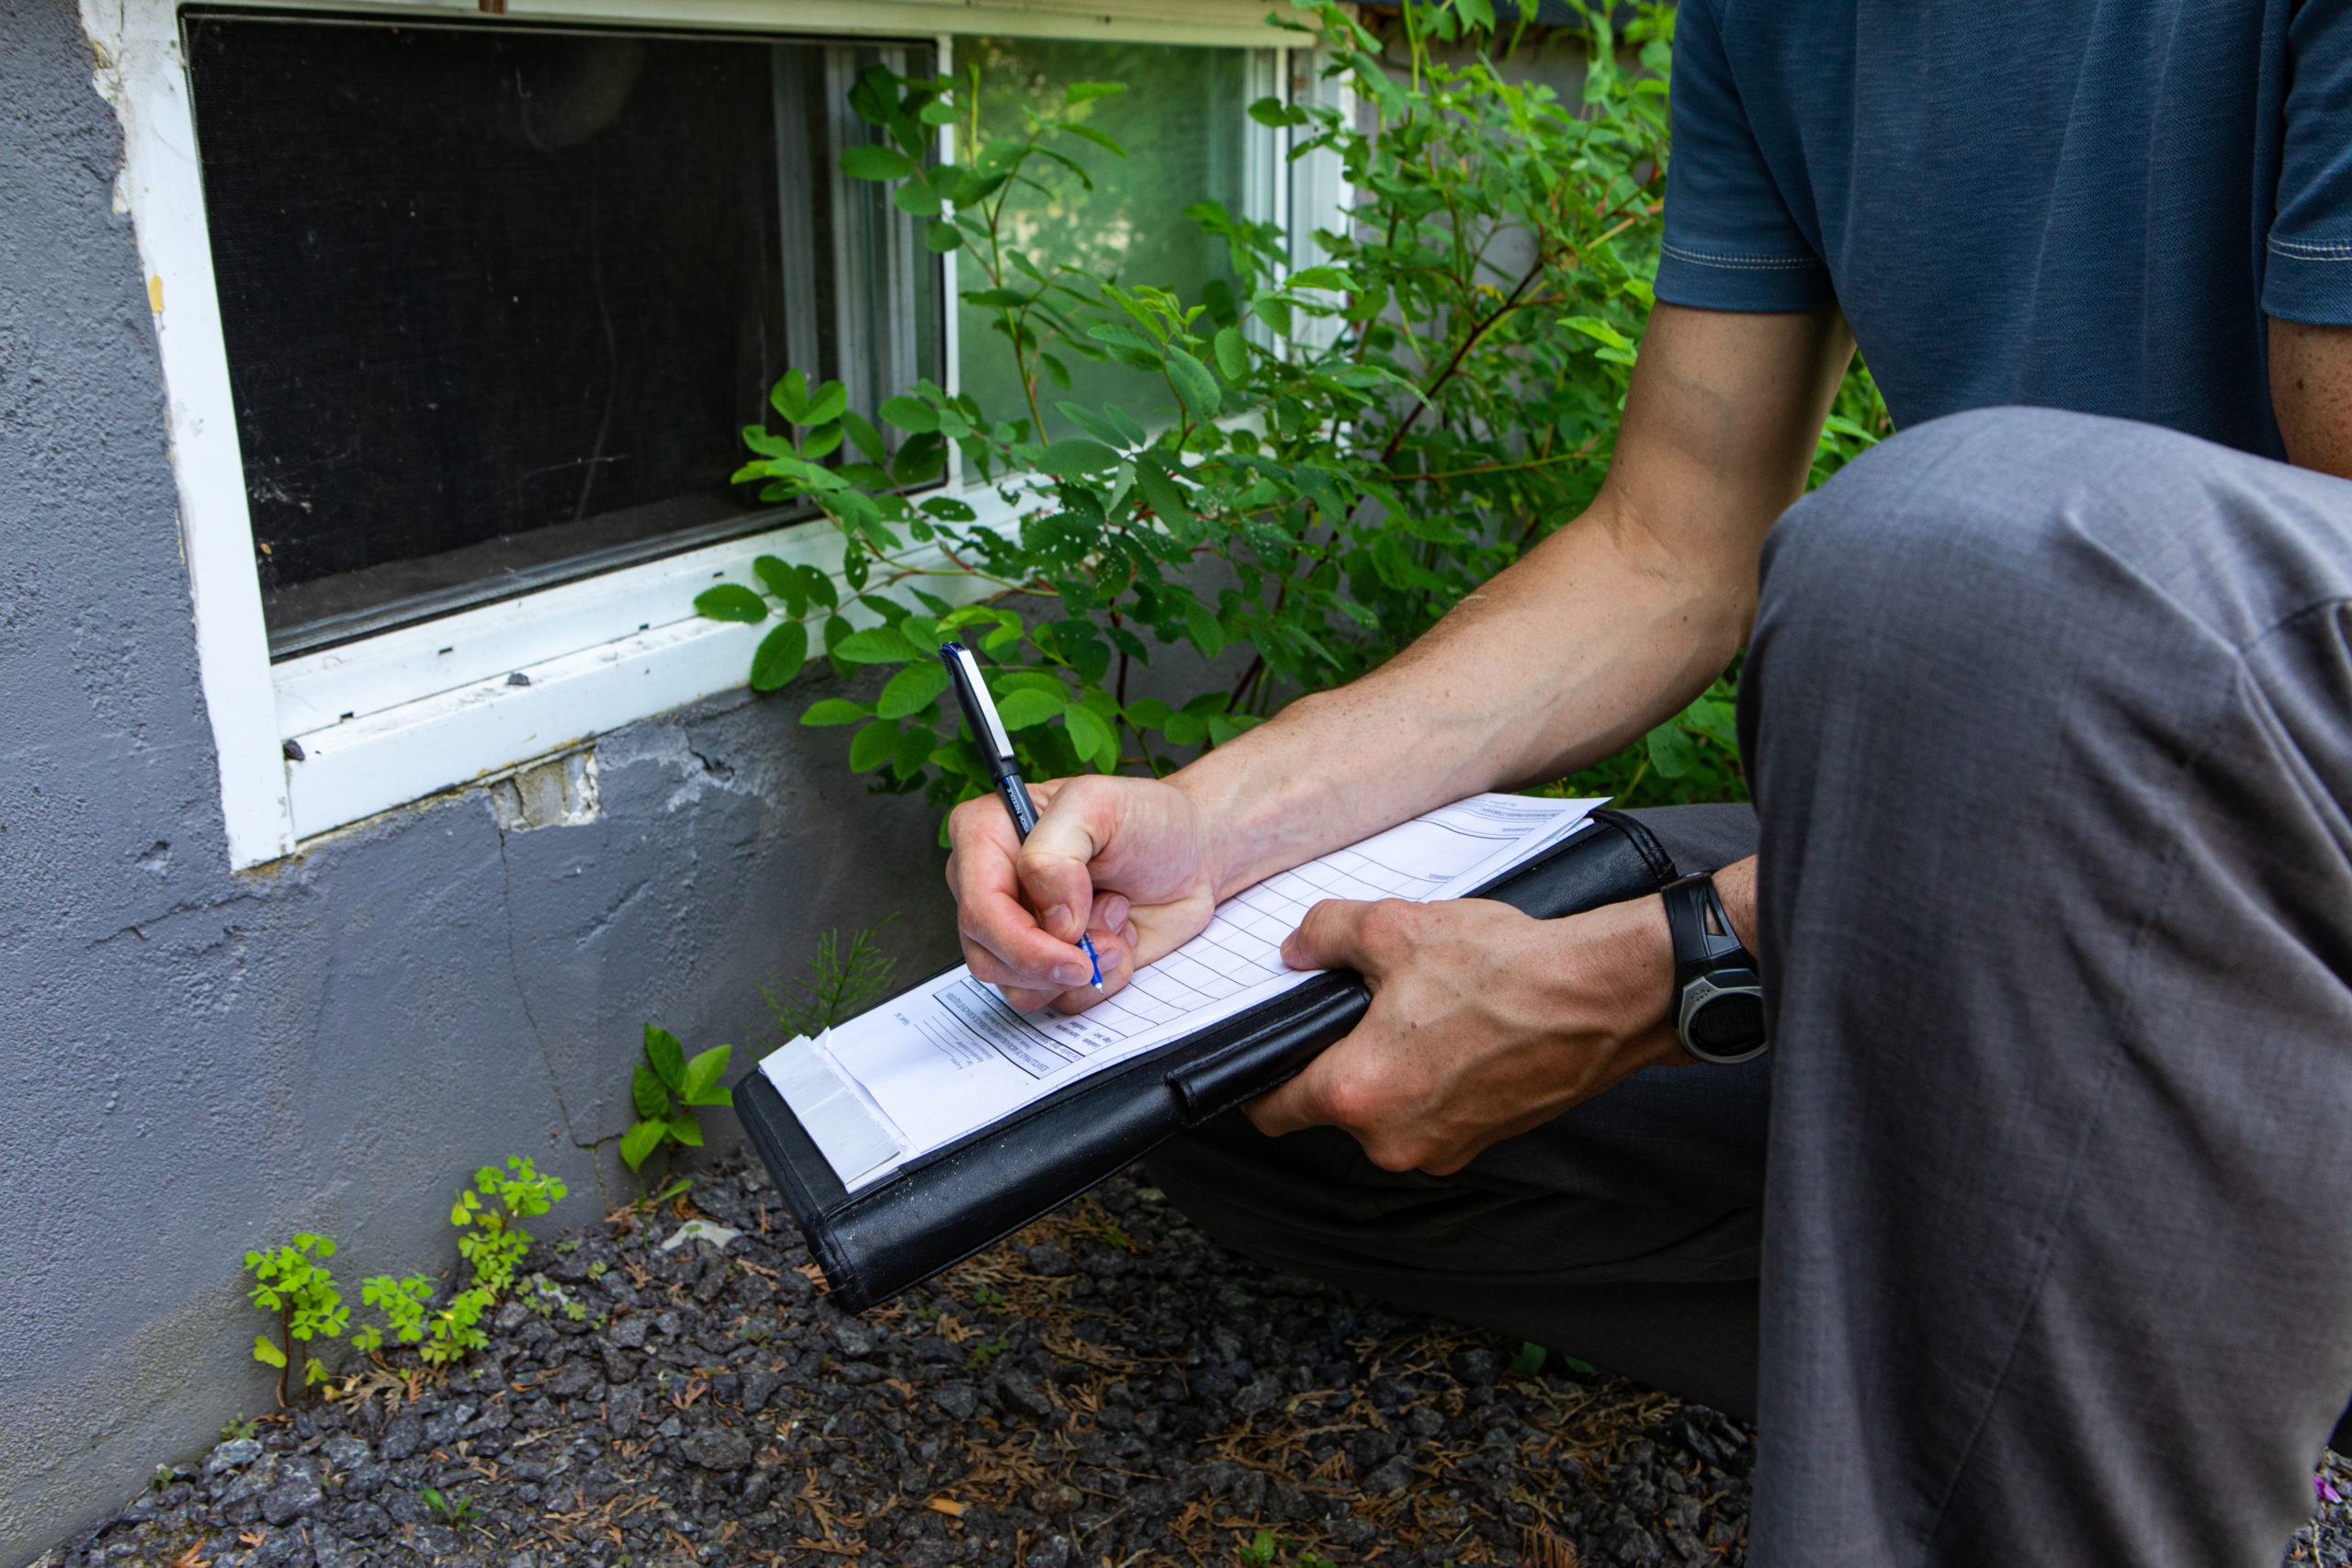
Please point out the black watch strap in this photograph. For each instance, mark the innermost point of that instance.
(1718, 1009)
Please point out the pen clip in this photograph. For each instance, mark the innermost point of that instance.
(972, 696)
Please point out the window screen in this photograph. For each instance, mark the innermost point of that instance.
(1185, 126)
(498, 299)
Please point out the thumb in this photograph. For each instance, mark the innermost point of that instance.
(1332, 937)
(1052, 865)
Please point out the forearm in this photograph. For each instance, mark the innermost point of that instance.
(1594, 638)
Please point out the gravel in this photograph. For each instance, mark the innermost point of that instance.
(1109, 1387)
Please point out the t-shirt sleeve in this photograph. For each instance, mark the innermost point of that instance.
(2308, 275)
(1730, 242)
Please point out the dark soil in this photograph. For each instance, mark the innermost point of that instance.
(1108, 1388)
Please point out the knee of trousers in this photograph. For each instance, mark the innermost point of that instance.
(2022, 545)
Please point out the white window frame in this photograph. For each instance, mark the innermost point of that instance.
(408, 713)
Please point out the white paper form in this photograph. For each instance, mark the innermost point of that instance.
(950, 1056)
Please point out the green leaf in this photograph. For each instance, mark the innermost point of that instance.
(875, 163)
(1147, 713)
(835, 710)
(862, 435)
(917, 199)
(687, 1130)
(910, 414)
(1671, 752)
(1186, 728)
(266, 1353)
(871, 747)
(1275, 314)
(1028, 707)
(912, 689)
(1098, 138)
(826, 406)
(1719, 722)
(1232, 354)
(1081, 92)
(703, 1074)
(1166, 496)
(642, 1139)
(1092, 735)
(790, 395)
(668, 1057)
(1530, 1359)
(732, 602)
(942, 237)
(782, 580)
(647, 1093)
(1194, 383)
(1069, 460)
(780, 656)
(1325, 278)
(877, 645)
(1093, 423)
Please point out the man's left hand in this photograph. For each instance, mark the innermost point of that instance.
(1484, 1023)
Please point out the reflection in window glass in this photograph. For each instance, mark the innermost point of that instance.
(1184, 124)
(498, 300)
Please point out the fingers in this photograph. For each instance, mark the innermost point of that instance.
(1115, 948)
(1000, 934)
(1337, 1090)
(1344, 933)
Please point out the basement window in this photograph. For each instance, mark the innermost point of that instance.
(498, 298)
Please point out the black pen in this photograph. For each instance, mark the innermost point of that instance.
(996, 747)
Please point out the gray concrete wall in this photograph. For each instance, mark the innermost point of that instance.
(198, 1062)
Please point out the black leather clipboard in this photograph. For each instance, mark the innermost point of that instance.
(938, 1210)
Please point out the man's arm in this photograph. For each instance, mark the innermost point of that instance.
(2311, 391)
(1606, 628)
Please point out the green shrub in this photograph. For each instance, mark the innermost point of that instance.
(1350, 446)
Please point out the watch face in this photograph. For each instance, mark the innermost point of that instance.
(1730, 1023)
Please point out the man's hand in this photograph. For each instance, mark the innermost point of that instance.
(1484, 1023)
(1095, 833)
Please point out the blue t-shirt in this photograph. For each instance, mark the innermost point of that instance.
(2081, 204)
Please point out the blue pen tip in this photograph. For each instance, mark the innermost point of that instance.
(1092, 957)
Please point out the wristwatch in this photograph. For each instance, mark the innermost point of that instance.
(1718, 995)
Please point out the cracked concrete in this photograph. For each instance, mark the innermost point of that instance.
(202, 1061)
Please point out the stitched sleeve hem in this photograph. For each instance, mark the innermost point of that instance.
(1713, 279)
(2308, 280)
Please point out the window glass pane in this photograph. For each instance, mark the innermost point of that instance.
(499, 299)
(1184, 125)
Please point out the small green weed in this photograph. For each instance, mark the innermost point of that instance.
(403, 1302)
(664, 1073)
(986, 1350)
(457, 1328)
(838, 987)
(454, 1512)
(494, 1240)
(294, 1282)
(237, 1427)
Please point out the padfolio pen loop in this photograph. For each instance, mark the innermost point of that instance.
(938, 1210)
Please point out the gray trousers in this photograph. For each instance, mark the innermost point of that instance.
(2033, 1243)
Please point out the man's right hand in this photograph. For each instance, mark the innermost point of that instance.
(1125, 861)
